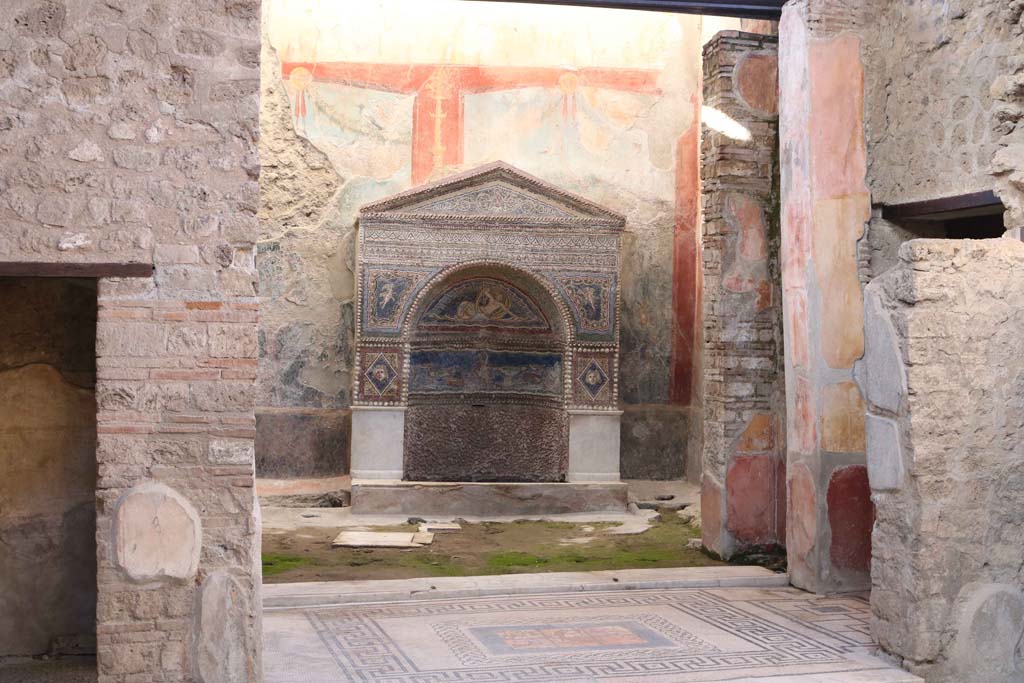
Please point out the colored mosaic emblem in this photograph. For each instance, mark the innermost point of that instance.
(592, 299)
(381, 375)
(593, 378)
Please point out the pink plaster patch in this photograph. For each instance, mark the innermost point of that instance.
(793, 149)
(758, 436)
(780, 500)
(798, 342)
(804, 435)
(710, 514)
(757, 82)
(750, 503)
(838, 154)
(748, 271)
(746, 215)
(851, 515)
(764, 296)
(802, 526)
(796, 239)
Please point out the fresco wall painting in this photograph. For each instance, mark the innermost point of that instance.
(576, 102)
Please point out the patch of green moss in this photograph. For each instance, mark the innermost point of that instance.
(663, 545)
(493, 548)
(513, 559)
(433, 564)
(274, 563)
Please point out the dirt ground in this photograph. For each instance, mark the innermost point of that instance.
(487, 548)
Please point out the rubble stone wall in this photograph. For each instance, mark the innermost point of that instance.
(937, 131)
(128, 134)
(743, 396)
(943, 378)
(1007, 122)
(933, 118)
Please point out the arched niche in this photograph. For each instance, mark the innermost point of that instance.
(487, 349)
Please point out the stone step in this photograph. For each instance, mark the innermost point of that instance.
(320, 593)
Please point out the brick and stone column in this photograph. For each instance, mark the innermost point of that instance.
(178, 536)
(743, 478)
(825, 204)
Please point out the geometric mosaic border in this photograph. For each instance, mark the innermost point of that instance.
(363, 652)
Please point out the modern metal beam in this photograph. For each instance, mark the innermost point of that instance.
(745, 9)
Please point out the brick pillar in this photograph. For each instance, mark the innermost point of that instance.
(742, 393)
(825, 204)
(178, 537)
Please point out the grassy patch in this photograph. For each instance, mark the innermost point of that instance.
(514, 559)
(275, 563)
(487, 548)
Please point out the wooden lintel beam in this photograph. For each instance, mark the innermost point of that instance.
(974, 201)
(84, 270)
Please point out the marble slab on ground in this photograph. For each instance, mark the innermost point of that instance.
(313, 485)
(304, 594)
(382, 539)
(673, 495)
(696, 635)
(323, 492)
(440, 527)
(277, 519)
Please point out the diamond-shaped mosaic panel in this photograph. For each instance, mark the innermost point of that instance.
(380, 375)
(593, 379)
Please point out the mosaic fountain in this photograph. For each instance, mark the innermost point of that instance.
(487, 350)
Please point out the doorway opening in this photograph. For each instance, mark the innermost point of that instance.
(48, 466)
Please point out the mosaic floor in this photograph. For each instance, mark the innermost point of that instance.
(656, 636)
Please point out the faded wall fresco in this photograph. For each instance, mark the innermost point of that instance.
(366, 100)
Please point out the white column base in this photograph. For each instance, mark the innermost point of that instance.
(378, 442)
(594, 445)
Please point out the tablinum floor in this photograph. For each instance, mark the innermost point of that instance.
(695, 635)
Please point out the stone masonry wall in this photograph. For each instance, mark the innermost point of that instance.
(943, 377)
(931, 111)
(743, 482)
(1007, 88)
(934, 130)
(128, 133)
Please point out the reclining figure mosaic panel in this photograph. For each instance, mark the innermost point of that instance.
(483, 303)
